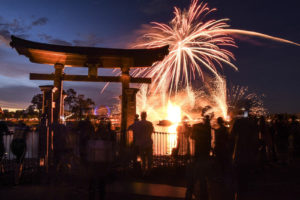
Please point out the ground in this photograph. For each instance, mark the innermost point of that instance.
(275, 182)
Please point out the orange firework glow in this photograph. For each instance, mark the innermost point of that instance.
(195, 44)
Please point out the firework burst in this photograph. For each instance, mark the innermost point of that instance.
(194, 43)
(197, 45)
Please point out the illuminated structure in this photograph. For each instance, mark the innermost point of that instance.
(93, 58)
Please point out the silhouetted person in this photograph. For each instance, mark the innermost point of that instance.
(99, 166)
(136, 117)
(85, 131)
(111, 133)
(102, 130)
(142, 141)
(272, 131)
(3, 130)
(18, 148)
(221, 145)
(265, 141)
(183, 134)
(200, 169)
(135, 148)
(282, 135)
(294, 132)
(59, 145)
(201, 133)
(245, 136)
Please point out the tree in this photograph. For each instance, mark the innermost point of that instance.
(19, 114)
(31, 113)
(78, 104)
(70, 100)
(82, 106)
(37, 102)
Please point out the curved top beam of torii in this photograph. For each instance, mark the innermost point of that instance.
(75, 56)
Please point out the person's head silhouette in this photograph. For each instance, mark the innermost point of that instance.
(220, 121)
(143, 115)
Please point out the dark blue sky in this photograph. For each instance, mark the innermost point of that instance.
(265, 67)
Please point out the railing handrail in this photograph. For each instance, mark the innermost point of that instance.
(161, 132)
(8, 133)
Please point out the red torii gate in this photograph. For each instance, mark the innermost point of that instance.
(93, 58)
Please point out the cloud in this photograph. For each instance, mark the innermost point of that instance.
(10, 96)
(17, 27)
(14, 66)
(14, 69)
(51, 40)
(60, 42)
(4, 36)
(40, 21)
(90, 40)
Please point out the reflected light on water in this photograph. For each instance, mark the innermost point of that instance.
(172, 141)
(173, 115)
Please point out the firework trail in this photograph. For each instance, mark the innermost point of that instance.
(195, 44)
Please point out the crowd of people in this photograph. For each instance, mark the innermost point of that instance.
(69, 141)
(85, 145)
(142, 141)
(237, 150)
(73, 138)
(233, 149)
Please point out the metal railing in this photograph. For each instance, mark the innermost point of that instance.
(8, 161)
(169, 150)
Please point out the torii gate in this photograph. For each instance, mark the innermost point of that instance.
(92, 58)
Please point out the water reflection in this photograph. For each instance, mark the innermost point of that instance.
(165, 140)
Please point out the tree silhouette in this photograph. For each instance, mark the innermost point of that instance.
(37, 103)
(70, 100)
(78, 104)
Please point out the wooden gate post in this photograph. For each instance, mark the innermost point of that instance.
(58, 83)
(45, 134)
(125, 78)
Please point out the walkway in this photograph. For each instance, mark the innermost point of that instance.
(275, 183)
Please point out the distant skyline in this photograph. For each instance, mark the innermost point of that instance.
(266, 67)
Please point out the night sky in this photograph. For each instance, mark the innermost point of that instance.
(266, 67)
